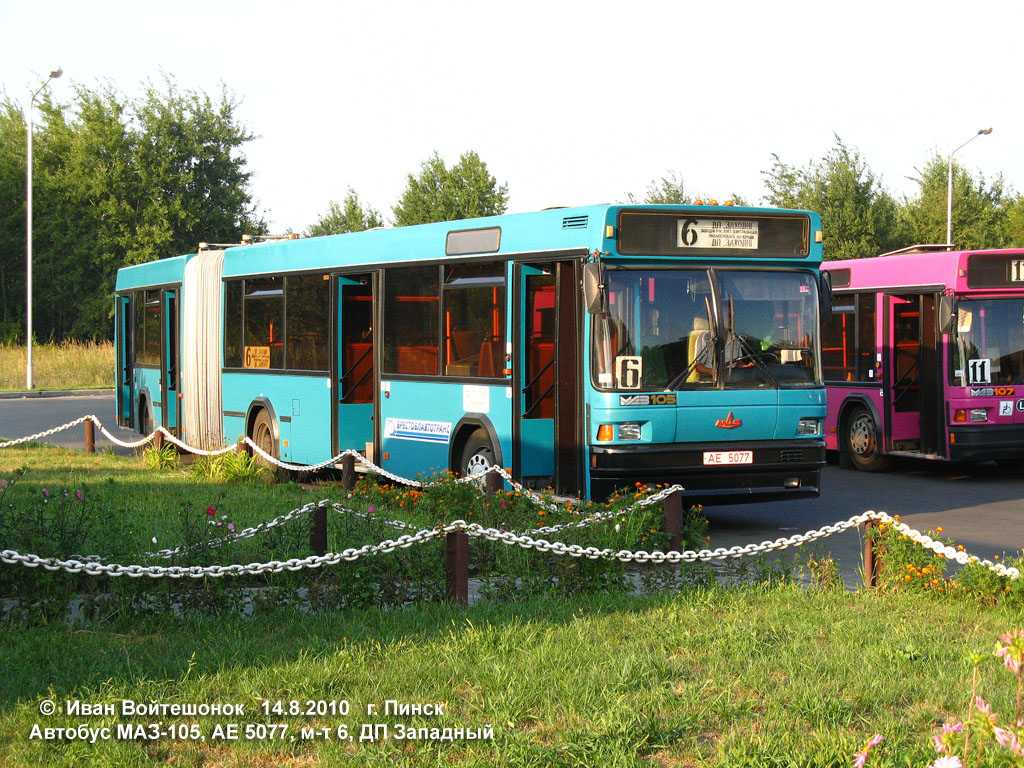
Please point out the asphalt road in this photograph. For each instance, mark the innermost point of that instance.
(980, 506)
(28, 415)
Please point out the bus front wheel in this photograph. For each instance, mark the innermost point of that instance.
(477, 454)
(862, 442)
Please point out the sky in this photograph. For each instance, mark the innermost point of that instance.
(568, 103)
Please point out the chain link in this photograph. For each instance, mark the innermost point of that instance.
(475, 530)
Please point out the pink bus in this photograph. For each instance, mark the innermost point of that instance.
(924, 357)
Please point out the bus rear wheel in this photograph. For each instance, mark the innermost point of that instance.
(477, 455)
(263, 436)
(862, 443)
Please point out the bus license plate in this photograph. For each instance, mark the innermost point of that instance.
(728, 457)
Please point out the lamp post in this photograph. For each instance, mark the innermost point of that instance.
(949, 188)
(54, 74)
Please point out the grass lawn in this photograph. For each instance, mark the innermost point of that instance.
(749, 676)
(71, 365)
(757, 675)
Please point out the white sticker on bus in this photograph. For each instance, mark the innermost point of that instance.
(476, 399)
(1006, 407)
(716, 233)
(415, 429)
(979, 371)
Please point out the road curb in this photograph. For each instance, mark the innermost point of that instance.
(55, 393)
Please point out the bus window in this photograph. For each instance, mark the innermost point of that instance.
(662, 317)
(410, 333)
(308, 305)
(233, 324)
(264, 323)
(474, 320)
(147, 328)
(989, 343)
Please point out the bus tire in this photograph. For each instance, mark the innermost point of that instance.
(861, 442)
(145, 417)
(477, 454)
(263, 436)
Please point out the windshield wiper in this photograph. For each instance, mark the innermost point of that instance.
(755, 357)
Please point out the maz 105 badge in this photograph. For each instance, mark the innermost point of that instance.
(658, 398)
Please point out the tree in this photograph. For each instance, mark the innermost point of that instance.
(350, 216)
(12, 221)
(117, 182)
(670, 190)
(464, 191)
(859, 217)
(984, 216)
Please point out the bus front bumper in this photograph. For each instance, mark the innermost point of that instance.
(781, 469)
(986, 442)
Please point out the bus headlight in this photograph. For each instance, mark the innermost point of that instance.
(808, 426)
(979, 414)
(631, 430)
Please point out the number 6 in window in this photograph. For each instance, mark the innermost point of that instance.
(629, 371)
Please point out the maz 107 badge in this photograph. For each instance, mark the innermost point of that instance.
(717, 233)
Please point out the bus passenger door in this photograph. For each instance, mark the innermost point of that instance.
(913, 388)
(125, 356)
(547, 433)
(169, 362)
(354, 381)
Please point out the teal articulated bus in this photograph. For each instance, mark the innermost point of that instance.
(584, 349)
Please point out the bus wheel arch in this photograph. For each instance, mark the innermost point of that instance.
(475, 431)
(860, 438)
(261, 426)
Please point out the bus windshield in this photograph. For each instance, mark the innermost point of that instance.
(989, 344)
(701, 328)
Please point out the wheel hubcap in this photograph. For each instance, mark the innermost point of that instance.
(478, 462)
(860, 437)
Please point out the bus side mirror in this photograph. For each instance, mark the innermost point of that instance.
(947, 314)
(595, 287)
(825, 297)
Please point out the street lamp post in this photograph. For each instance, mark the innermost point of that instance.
(949, 188)
(54, 74)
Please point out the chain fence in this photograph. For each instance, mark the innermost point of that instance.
(94, 565)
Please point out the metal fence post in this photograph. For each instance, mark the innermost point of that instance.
(493, 482)
(872, 563)
(90, 436)
(318, 531)
(348, 472)
(456, 565)
(674, 521)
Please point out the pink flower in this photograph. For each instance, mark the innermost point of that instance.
(79, 495)
(860, 758)
(231, 527)
(46, 493)
(984, 708)
(1012, 650)
(1008, 739)
(211, 510)
(947, 761)
(370, 510)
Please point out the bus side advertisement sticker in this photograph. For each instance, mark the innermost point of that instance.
(415, 429)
